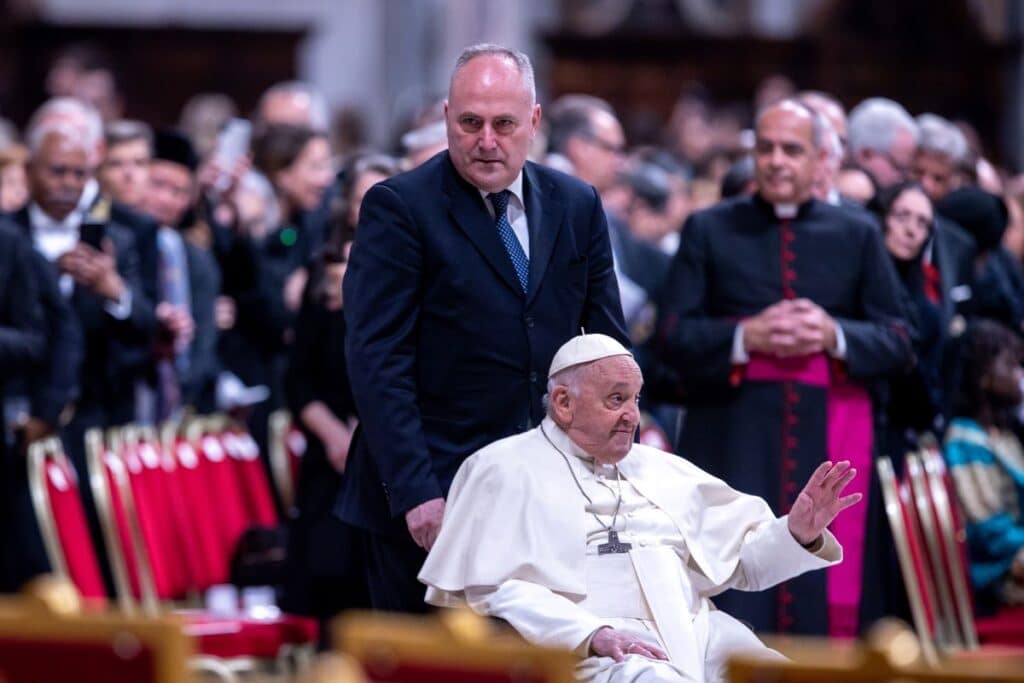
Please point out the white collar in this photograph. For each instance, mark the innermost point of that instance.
(784, 211)
(516, 188)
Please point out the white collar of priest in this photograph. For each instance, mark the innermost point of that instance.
(566, 445)
(516, 188)
(784, 211)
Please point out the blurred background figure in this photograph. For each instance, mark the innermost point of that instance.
(325, 574)
(13, 178)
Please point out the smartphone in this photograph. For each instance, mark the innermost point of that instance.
(92, 234)
(232, 144)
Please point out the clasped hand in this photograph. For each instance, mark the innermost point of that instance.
(821, 500)
(792, 327)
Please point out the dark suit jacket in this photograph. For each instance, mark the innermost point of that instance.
(112, 347)
(22, 337)
(445, 352)
(144, 229)
(198, 384)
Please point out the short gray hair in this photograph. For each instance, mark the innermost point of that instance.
(128, 130)
(59, 114)
(941, 136)
(875, 122)
(318, 111)
(519, 59)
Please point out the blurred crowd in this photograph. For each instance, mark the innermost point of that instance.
(150, 272)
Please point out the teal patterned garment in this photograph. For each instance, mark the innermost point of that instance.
(988, 474)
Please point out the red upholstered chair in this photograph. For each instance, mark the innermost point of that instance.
(1006, 628)
(167, 498)
(651, 433)
(899, 510)
(39, 646)
(451, 647)
(249, 471)
(57, 503)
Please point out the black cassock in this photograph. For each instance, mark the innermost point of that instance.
(765, 438)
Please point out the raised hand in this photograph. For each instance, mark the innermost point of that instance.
(821, 500)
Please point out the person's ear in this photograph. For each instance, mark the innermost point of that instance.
(562, 404)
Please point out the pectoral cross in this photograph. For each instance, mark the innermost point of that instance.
(614, 545)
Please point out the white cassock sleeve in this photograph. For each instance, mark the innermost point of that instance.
(540, 615)
(770, 555)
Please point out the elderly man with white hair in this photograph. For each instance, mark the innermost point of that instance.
(584, 540)
(882, 140)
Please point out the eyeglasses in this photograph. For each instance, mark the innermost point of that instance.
(604, 144)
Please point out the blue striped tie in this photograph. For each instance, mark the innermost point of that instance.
(520, 261)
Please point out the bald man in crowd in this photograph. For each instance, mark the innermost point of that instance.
(779, 313)
(466, 276)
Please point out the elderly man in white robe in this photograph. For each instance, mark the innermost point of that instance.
(582, 539)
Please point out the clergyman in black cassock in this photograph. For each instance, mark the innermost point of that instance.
(778, 312)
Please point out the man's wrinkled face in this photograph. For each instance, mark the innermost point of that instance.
(57, 174)
(124, 173)
(170, 192)
(605, 413)
(785, 157)
(491, 120)
(935, 172)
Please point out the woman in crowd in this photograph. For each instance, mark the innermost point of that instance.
(987, 463)
(325, 574)
(917, 398)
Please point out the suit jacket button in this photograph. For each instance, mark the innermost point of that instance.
(529, 321)
(533, 377)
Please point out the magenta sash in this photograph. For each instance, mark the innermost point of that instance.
(850, 433)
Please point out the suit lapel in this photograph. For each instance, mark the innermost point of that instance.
(544, 214)
(468, 211)
(946, 274)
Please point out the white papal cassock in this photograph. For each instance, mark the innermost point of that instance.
(519, 542)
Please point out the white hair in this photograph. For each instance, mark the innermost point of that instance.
(571, 378)
(319, 115)
(60, 113)
(519, 59)
(70, 134)
(941, 136)
(875, 122)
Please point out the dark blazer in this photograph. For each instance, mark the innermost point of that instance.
(144, 229)
(198, 384)
(112, 347)
(22, 336)
(953, 251)
(445, 352)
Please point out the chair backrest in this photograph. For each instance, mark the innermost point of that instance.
(898, 511)
(890, 654)
(947, 629)
(88, 648)
(953, 538)
(452, 646)
(57, 503)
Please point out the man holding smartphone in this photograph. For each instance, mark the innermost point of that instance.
(99, 321)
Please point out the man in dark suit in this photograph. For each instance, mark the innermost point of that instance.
(91, 263)
(466, 276)
(188, 282)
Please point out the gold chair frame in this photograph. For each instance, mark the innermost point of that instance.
(891, 496)
(453, 639)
